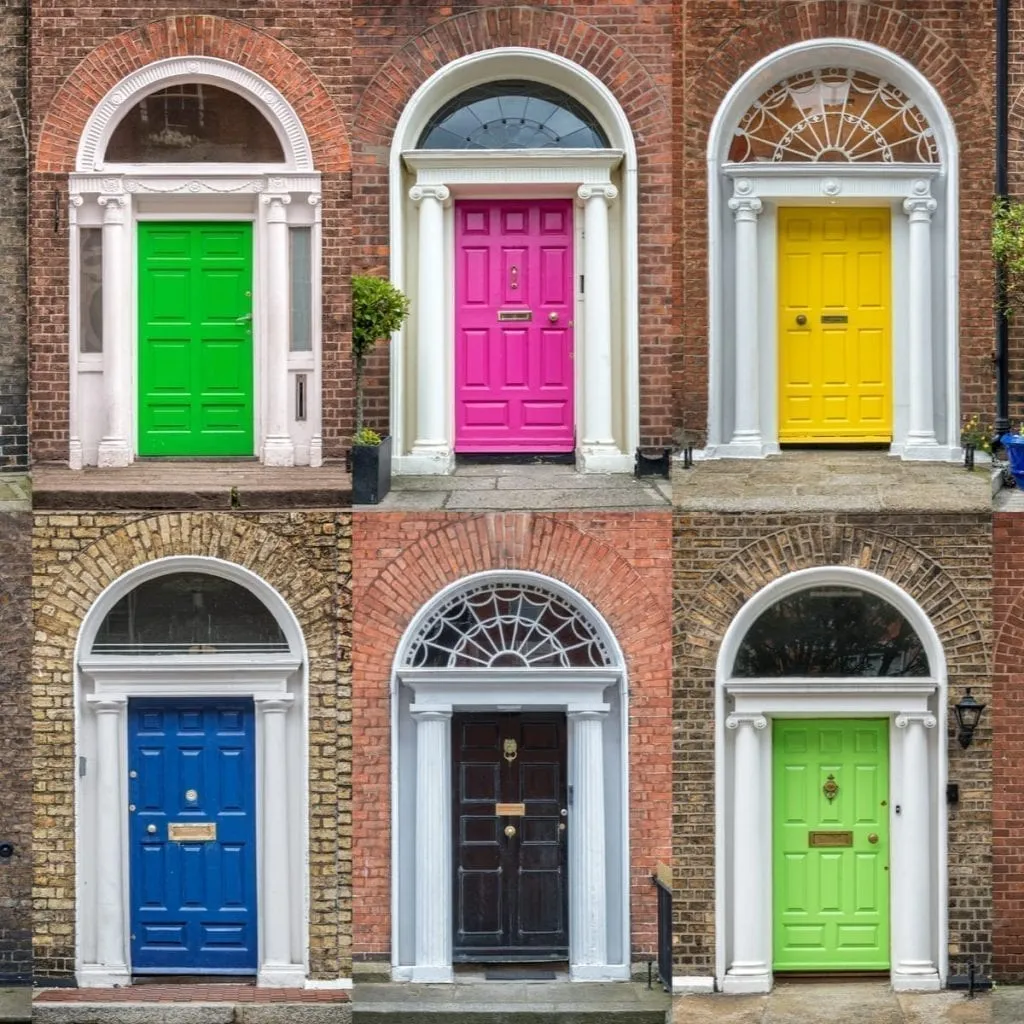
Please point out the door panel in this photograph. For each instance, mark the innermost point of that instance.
(831, 903)
(511, 894)
(195, 343)
(193, 901)
(514, 382)
(835, 369)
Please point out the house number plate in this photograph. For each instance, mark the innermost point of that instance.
(830, 838)
(515, 314)
(192, 831)
(837, 318)
(510, 810)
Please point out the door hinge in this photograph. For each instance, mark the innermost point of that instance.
(569, 801)
(82, 762)
(582, 282)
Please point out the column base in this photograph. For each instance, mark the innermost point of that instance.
(744, 983)
(907, 978)
(113, 453)
(427, 459)
(281, 976)
(603, 457)
(432, 975)
(599, 972)
(743, 446)
(697, 986)
(316, 452)
(926, 449)
(103, 976)
(76, 457)
(278, 451)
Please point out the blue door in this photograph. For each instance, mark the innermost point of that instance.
(191, 783)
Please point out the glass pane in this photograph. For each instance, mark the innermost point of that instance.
(302, 289)
(194, 123)
(513, 115)
(189, 613)
(90, 289)
(831, 631)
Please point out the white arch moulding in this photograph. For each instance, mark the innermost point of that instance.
(422, 185)
(595, 701)
(742, 255)
(744, 708)
(278, 684)
(274, 197)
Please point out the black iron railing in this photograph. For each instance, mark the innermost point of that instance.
(661, 882)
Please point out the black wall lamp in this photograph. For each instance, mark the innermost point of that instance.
(968, 713)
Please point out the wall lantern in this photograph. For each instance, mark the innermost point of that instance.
(968, 713)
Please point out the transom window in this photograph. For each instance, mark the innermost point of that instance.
(194, 123)
(831, 631)
(189, 613)
(837, 115)
(502, 625)
(513, 115)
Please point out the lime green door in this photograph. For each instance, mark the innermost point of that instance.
(195, 339)
(830, 862)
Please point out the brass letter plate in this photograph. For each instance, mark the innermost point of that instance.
(515, 314)
(192, 831)
(510, 810)
(838, 318)
(830, 838)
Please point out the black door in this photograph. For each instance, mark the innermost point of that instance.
(510, 822)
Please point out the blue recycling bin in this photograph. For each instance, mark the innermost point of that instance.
(1014, 445)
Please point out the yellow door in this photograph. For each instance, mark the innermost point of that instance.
(835, 362)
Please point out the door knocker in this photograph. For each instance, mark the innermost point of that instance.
(513, 277)
(831, 788)
(511, 750)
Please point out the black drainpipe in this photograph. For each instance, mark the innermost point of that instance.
(1002, 424)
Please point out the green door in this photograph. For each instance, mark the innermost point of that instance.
(830, 839)
(195, 339)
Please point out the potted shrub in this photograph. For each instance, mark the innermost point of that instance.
(378, 309)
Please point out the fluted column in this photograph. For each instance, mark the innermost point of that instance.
(597, 445)
(921, 426)
(750, 956)
(588, 880)
(913, 913)
(746, 435)
(432, 445)
(276, 963)
(75, 454)
(433, 846)
(111, 945)
(278, 447)
(115, 448)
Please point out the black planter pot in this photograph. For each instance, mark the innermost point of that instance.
(371, 472)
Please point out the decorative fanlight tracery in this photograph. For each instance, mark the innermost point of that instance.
(508, 625)
(837, 115)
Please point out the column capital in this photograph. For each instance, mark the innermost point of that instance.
(275, 202)
(919, 208)
(908, 718)
(738, 718)
(277, 703)
(439, 192)
(746, 207)
(113, 208)
(104, 705)
(604, 190)
(587, 714)
(429, 714)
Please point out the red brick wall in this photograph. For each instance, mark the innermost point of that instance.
(1015, 169)
(81, 51)
(951, 42)
(621, 562)
(628, 46)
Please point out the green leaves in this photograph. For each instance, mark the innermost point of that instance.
(378, 309)
(1008, 247)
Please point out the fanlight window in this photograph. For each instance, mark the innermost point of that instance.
(831, 631)
(194, 123)
(513, 115)
(189, 613)
(500, 625)
(834, 115)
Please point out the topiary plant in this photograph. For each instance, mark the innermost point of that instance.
(1008, 249)
(378, 309)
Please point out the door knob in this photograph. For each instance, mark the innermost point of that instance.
(151, 829)
(510, 831)
(873, 837)
(244, 318)
(553, 317)
(801, 319)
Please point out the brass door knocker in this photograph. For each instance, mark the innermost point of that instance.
(511, 750)
(831, 788)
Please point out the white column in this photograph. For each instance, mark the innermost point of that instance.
(316, 400)
(75, 454)
(749, 966)
(278, 447)
(913, 946)
(746, 436)
(598, 450)
(920, 442)
(433, 845)
(111, 967)
(432, 450)
(277, 966)
(115, 448)
(588, 878)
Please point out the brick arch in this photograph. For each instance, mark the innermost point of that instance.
(385, 97)
(791, 23)
(815, 545)
(190, 35)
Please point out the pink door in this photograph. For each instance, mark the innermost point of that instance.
(513, 326)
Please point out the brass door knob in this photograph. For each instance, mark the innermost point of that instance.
(553, 317)
(873, 837)
(801, 319)
(510, 831)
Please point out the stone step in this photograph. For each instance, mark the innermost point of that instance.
(191, 1013)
